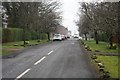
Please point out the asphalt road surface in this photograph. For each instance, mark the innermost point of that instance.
(60, 59)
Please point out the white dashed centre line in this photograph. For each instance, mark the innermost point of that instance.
(39, 60)
(23, 74)
(34, 64)
(50, 52)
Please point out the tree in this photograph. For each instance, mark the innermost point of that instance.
(84, 25)
(50, 18)
(37, 17)
(110, 20)
(103, 18)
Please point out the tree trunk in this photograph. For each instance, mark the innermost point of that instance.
(39, 33)
(48, 36)
(118, 44)
(96, 37)
(85, 37)
(24, 37)
(24, 34)
(110, 42)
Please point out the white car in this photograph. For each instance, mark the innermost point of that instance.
(63, 37)
(57, 37)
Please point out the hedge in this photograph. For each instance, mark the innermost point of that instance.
(44, 36)
(16, 34)
(0, 33)
(12, 34)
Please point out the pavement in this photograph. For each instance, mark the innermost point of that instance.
(59, 59)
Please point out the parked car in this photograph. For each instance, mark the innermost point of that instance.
(80, 38)
(68, 37)
(63, 37)
(57, 37)
(76, 36)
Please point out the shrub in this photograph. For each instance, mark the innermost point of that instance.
(113, 47)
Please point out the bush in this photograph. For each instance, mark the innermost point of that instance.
(113, 47)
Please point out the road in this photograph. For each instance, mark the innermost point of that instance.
(63, 59)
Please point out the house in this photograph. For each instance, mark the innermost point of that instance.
(60, 30)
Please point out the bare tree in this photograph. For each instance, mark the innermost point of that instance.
(103, 17)
(37, 17)
(84, 25)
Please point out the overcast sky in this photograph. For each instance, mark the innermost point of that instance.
(70, 9)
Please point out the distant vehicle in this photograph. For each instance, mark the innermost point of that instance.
(80, 37)
(63, 37)
(76, 36)
(57, 37)
(68, 37)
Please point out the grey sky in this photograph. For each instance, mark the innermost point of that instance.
(70, 9)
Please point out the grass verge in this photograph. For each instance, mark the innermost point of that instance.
(111, 64)
(8, 48)
(102, 46)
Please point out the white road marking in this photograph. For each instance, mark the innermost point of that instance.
(50, 52)
(22, 74)
(39, 60)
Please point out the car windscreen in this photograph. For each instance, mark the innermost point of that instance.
(57, 35)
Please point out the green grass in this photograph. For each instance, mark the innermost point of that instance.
(102, 46)
(111, 64)
(7, 48)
